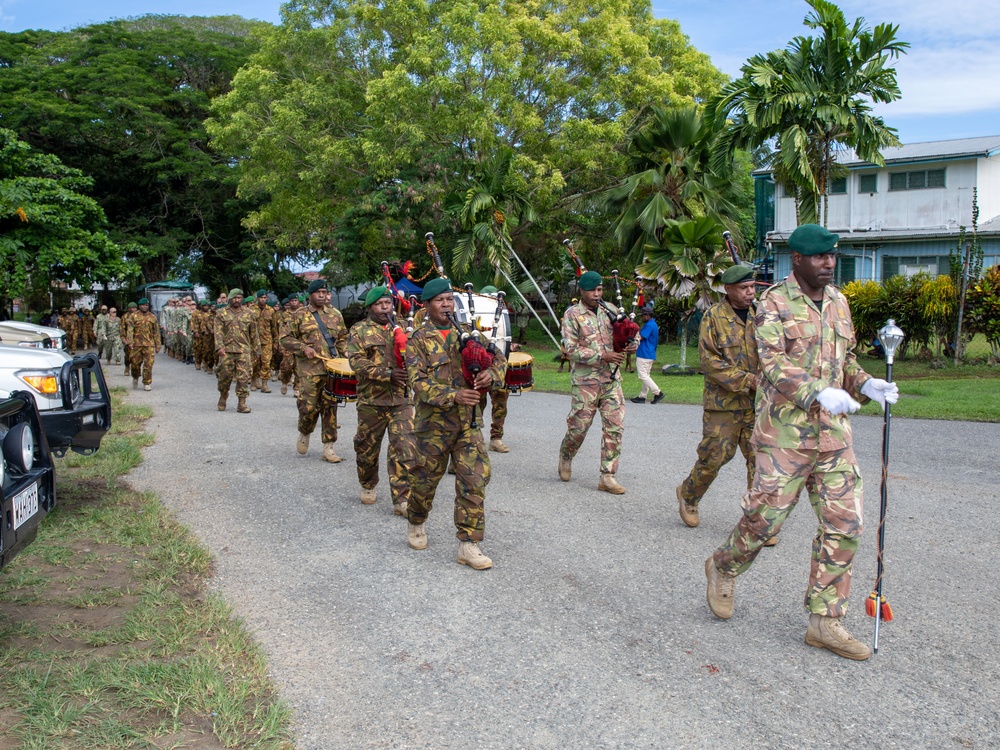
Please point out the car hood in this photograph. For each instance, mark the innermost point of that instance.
(23, 358)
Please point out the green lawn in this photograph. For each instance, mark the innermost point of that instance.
(968, 392)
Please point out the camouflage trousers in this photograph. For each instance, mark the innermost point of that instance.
(587, 401)
(127, 351)
(499, 399)
(373, 421)
(722, 433)
(200, 347)
(113, 346)
(287, 368)
(834, 485)
(314, 406)
(465, 448)
(141, 361)
(234, 366)
(262, 365)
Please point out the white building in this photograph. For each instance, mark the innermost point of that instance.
(902, 218)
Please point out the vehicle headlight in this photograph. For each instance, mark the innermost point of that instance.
(31, 344)
(45, 382)
(19, 447)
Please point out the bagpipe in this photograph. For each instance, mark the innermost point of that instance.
(397, 342)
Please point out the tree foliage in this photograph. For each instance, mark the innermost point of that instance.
(125, 103)
(49, 226)
(359, 124)
(813, 99)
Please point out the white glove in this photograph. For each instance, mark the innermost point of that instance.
(837, 401)
(881, 390)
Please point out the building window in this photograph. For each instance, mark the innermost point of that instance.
(911, 265)
(838, 186)
(868, 183)
(846, 269)
(916, 180)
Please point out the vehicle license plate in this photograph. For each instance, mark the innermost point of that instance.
(25, 504)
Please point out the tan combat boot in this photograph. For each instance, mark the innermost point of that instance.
(721, 590)
(416, 536)
(135, 384)
(284, 389)
(302, 444)
(241, 405)
(689, 511)
(223, 397)
(367, 496)
(608, 483)
(565, 469)
(147, 387)
(470, 554)
(497, 446)
(830, 633)
(197, 365)
(329, 454)
(399, 509)
(264, 387)
(772, 542)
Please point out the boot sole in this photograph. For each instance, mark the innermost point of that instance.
(609, 490)
(417, 546)
(838, 652)
(463, 561)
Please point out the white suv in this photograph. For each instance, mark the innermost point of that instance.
(70, 392)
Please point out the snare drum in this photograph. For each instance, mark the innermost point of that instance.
(519, 377)
(341, 382)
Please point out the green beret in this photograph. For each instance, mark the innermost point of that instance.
(812, 239)
(488, 290)
(132, 306)
(235, 293)
(272, 303)
(434, 288)
(301, 298)
(374, 295)
(284, 301)
(590, 281)
(737, 274)
(315, 286)
(144, 301)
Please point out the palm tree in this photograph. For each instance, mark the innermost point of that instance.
(813, 99)
(492, 205)
(671, 179)
(687, 264)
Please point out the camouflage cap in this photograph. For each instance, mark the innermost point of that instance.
(812, 239)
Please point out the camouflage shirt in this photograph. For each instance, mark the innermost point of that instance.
(144, 329)
(266, 326)
(301, 331)
(802, 351)
(586, 335)
(367, 347)
(236, 331)
(728, 349)
(434, 366)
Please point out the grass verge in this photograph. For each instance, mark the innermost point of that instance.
(108, 635)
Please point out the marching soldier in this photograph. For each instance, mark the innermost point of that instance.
(382, 401)
(316, 331)
(144, 342)
(236, 343)
(809, 381)
(444, 404)
(126, 327)
(266, 330)
(287, 369)
(727, 344)
(100, 334)
(588, 342)
(111, 331)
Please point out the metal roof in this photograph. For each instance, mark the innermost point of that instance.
(928, 151)
(853, 237)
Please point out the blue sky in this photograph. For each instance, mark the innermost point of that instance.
(950, 79)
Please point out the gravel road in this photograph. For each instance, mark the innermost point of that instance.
(591, 630)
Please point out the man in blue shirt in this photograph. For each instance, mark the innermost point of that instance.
(649, 338)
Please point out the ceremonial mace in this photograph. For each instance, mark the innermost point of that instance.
(891, 336)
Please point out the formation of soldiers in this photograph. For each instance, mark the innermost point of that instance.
(781, 378)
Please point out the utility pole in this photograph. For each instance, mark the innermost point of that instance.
(961, 301)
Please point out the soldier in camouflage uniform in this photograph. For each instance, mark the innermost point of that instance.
(303, 337)
(443, 407)
(126, 327)
(198, 334)
(236, 344)
(112, 335)
(87, 328)
(382, 402)
(727, 344)
(100, 336)
(68, 321)
(498, 396)
(266, 330)
(185, 334)
(809, 381)
(144, 342)
(287, 369)
(596, 382)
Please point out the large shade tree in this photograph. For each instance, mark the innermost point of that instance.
(358, 122)
(125, 103)
(812, 100)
